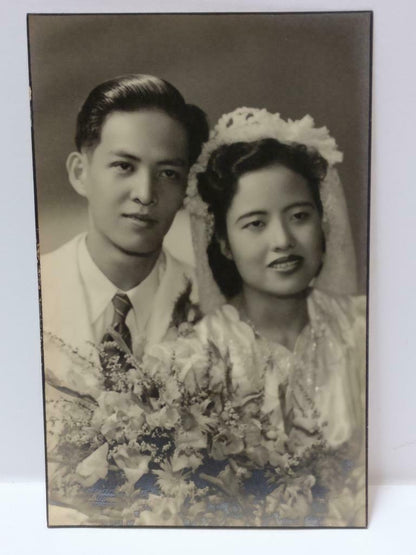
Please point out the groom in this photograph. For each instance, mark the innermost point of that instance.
(136, 139)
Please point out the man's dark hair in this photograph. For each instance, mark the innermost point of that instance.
(132, 92)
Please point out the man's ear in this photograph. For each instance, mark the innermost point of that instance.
(76, 168)
(225, 248)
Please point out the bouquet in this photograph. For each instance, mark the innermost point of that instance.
(171, 440)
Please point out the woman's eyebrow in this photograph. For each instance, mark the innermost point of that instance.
(252, 213)
(299, 204)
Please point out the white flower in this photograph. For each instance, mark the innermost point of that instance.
(132, 462)
(169, 390)
(118, 416)
(166, 417)
(94, 467)
(192, 364)
(292, 499)
(158, 360)
(173, 484)
(225, 444)
(253, 124)
(190, 439)
(182, 460)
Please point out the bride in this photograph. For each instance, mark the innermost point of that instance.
(270, 226)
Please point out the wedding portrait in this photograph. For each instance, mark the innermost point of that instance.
(202, 188)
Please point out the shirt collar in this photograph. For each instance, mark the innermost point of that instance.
(100, 290)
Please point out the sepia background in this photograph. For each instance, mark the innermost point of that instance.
(294, 64)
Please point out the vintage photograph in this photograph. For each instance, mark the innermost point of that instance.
(202, 185)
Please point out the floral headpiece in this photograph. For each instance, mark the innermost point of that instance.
(253, 124)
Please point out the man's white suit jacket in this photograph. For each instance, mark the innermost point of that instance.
(65, 319)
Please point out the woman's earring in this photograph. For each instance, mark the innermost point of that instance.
(225, 249)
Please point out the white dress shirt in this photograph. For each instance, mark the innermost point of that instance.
(99, 291)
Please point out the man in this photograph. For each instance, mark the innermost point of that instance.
(136, 139)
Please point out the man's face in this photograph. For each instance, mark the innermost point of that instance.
(135, 180)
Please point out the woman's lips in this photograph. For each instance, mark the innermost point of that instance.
(286, 264)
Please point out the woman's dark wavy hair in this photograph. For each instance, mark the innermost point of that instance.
(132, 92)
(218, 185)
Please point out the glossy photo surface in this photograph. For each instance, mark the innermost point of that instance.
(202, 212)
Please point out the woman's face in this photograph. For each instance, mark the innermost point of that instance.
(274, 232)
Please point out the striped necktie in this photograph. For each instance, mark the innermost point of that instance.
(122, 306)
(113, 355)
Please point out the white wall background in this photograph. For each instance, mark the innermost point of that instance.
(392, 401)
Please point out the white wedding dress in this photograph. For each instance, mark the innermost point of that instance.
(328, 359)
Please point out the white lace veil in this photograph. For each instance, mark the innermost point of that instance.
(338, 274)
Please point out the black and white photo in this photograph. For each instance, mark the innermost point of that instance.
(202, 187)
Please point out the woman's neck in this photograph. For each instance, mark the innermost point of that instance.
(279, 319)
(123, 269)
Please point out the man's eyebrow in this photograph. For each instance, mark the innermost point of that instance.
(173, 162)
(168, 162)
(252, 213)
(125, 154)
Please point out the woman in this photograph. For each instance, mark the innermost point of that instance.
(268, 208)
